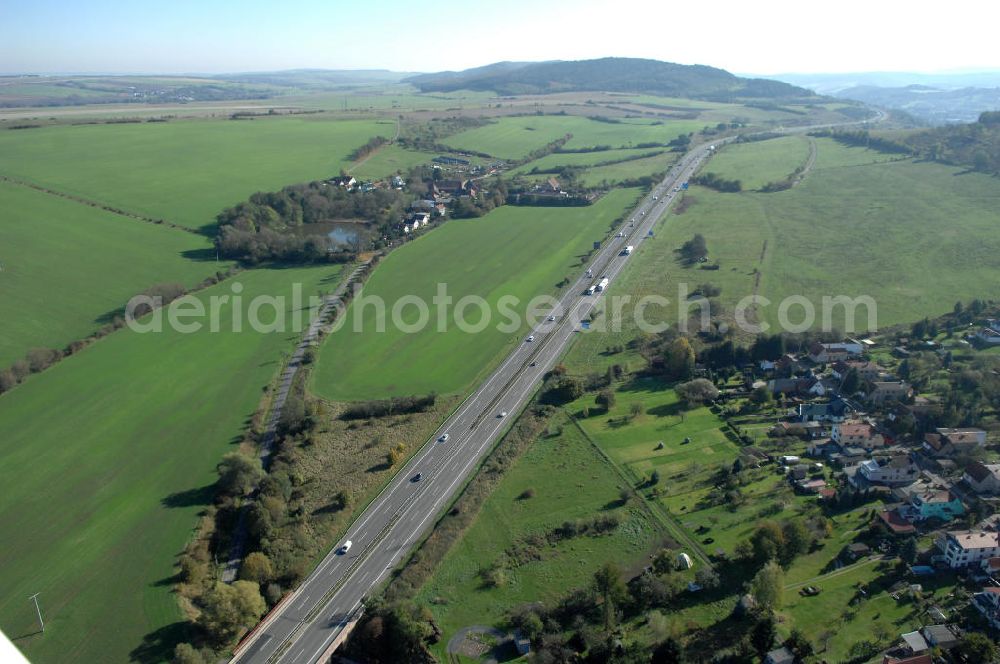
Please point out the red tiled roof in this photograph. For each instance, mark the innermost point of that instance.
(896, 523)
(916, 659)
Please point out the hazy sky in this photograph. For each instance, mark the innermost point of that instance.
(764, 37)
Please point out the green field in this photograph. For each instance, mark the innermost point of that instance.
(756, 164)
(570, 481)
(916, 237)
(519, 251)
(389, 160)
(581, 159)
(632, 442)
(515, 137)
(185, 171)
(65, 264)
(107, 458)
(628, 170)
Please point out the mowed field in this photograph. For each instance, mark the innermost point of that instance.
(515, 137)
(915, 237)
(106, 459)
(64, 265)
(183, 171)
(570, 481)
(512, 251)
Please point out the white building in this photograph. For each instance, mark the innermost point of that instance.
(961, 548)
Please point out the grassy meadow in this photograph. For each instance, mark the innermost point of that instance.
(914, 236)
(756, 164)
(517, 251)
(185, 172)
(632, 442)
(66, 264)
(107, 458)
(515, 137)
(570, 480)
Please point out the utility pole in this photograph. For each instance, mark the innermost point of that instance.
(40, 621)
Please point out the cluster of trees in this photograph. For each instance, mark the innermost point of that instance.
(393, 632)
(779, 542)
(974, 145)
(364, 410)
(718, 183)
(494, 195)
(863, 139)
(694, 250)
(427, 136)
(560, 388)
(260, 229)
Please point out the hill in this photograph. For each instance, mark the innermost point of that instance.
(975, 145)
(607, 74)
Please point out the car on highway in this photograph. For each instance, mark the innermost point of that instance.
(533, 364)
(530, 338)
(345, 547)
(551, 318)
(417, 477)
(444, 438)
(656, 198)
(502, 414)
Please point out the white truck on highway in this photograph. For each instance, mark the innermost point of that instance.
(602, 284)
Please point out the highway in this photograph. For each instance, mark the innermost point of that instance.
(301, 629)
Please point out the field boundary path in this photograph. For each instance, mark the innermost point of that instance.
(232, 565)
(656, 509)
(98, 204)
(810, 162)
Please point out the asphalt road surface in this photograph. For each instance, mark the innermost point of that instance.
(303, 627)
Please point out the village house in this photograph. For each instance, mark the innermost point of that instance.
(780, 655)
(827, 353)
(923, 658)
(835, 410)
(867, 371)
(856, 433)
(453, 187)
(940, 636)
(936, 504)
(895, 522)
(806, 386)
(949, 442)
(549, 187)
(883, 392)
(418, 219)
(987, 603)
(346, 181)
(962, 548)
(896, 471)
(983, 478)
(990, 334)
